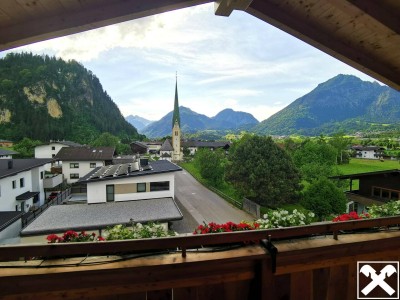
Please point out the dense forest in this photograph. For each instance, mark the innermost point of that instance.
(45, 98)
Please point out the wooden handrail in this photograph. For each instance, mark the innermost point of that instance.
(15, 252)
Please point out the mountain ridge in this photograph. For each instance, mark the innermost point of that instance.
(192, 122)
(340, 103)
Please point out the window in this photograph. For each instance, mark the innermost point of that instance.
(53, 148)
(53, 155)
(41, 175)
(14, 184)
(159, 186)
(141, 187)
(74, 165)
(21, 182)
(93, 165)
(110, 193)
(176, 133)
(74, 176)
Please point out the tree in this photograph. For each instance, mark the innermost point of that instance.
(341, 144)
(26, 148)
(315, 159)
(324, 198)
(210, 165)
(108, 140)
(262, 171)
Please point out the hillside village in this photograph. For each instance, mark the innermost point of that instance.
(66, 186)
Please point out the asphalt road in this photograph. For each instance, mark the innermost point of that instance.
(199, 204)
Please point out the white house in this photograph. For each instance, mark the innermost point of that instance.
(127, 182)
(166, 151)
(116, 194)
(369, 152)
(51, 149)
(6, 154)
(21, 187)
(76, 162)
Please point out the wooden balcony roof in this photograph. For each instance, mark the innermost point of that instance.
(362, 33)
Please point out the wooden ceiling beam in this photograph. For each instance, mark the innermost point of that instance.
(225, 7)
(389, 18)
(91, 17)
(302, 25)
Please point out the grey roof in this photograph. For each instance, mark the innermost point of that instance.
(206, 144)
(121, 171)
(60, 218)
(166, 146)
(140, 144)
(20, 165)
(85, 153)
(8, 217)
(26, 195)
(367, 148)
(66, 143)
(7, 152)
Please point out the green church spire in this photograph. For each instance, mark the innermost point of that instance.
(176, 116)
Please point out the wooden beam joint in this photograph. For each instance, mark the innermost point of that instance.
(226, 7)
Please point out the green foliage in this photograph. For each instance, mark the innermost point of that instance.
(341, 144)
(137, 231)
(282, 218)
(324, 198)
(262, 171)
(389, 209)
(49, 98)
(359, 165)
(315, 159)
(26, 148)
(211, 165)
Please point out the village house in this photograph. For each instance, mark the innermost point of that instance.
(166, 151)
(51, 149)
(6, 143)
(373, 188)
(194, 146)
(21, 190)
(141, 191)
(369, 152)
(76, 162)
(6, 154)
(139, 147)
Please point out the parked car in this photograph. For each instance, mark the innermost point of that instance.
(52, 196)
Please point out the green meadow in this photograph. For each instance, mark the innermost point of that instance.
(359, 165)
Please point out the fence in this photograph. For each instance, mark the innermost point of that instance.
(251, 207)
(30, 216)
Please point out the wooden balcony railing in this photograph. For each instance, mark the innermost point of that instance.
(309, 264)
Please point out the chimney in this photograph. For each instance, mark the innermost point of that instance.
(144, 162)
(10, 164)
(129, 168)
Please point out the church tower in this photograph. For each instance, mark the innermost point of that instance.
(176, 128)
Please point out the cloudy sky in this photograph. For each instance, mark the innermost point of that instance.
(237, 62)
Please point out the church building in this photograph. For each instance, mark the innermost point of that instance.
(176, 129)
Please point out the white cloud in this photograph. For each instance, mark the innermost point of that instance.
(238, 62)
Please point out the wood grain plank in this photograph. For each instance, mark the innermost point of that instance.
(301, 286)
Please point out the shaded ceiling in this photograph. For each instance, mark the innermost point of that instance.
(362, 33)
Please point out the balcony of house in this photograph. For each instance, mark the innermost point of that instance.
(52, 180)
(307, 262)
